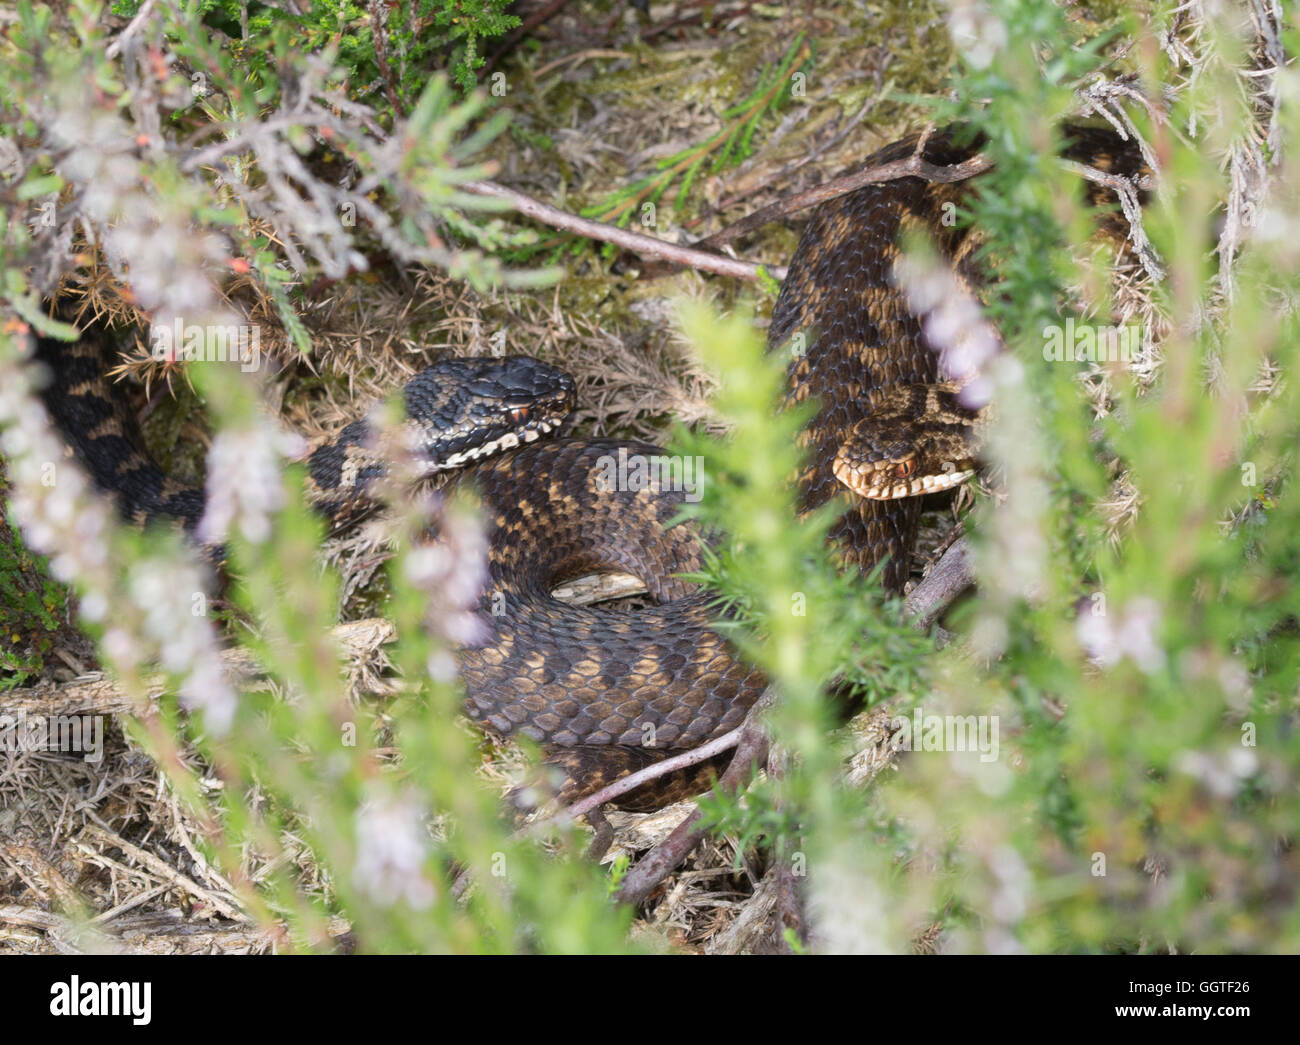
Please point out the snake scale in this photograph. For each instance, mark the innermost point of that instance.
(609, 691)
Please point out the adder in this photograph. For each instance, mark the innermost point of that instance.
(609, 691)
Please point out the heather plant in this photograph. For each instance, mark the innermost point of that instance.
(297, 758)
(384, 50)
(1146, 657)
(1131, 641)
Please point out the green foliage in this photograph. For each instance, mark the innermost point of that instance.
(775, 86)
(467, 23)
(1146, 792)
(386, 64)
(727, 148)
(789, 610)
(1129, 771)
(33, 607)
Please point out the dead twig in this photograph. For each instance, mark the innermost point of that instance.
(909, 167)
(1127, 192)
(163, 870)
(636, 242)
(664, 858)
(632, 781)
(949, 577)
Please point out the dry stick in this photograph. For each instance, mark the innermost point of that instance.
(752, 921)
(128, 905)
(740, 196)
(789, 900)
(636, 242)
(30, 863)
(910, 167)
(947, 579)
(660, 862)
(579, 57)
(1127, 191)
(632, 781)
(163, 870)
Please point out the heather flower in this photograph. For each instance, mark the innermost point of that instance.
(244, 482)
(391, 852)
(977, 31)
(1133, 635)
(63, 517)
(452, 570)
(954, 325)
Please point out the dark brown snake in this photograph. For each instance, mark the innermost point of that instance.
(608, 691)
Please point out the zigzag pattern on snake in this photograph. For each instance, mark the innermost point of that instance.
(608, 691)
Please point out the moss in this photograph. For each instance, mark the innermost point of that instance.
(34, 608)
(169, 433)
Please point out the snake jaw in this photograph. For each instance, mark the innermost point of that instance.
(468, 409)
(919, 439)
(892, 480)
(509, 441)
(457, 412)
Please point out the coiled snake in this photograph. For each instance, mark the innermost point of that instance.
(609, 691)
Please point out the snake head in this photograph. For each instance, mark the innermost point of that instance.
(884, 459)
(466, 409)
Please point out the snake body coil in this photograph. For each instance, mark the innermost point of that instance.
(612, 692)
(609, 691)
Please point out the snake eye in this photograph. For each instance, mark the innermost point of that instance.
(519, 414)
(905, 468)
